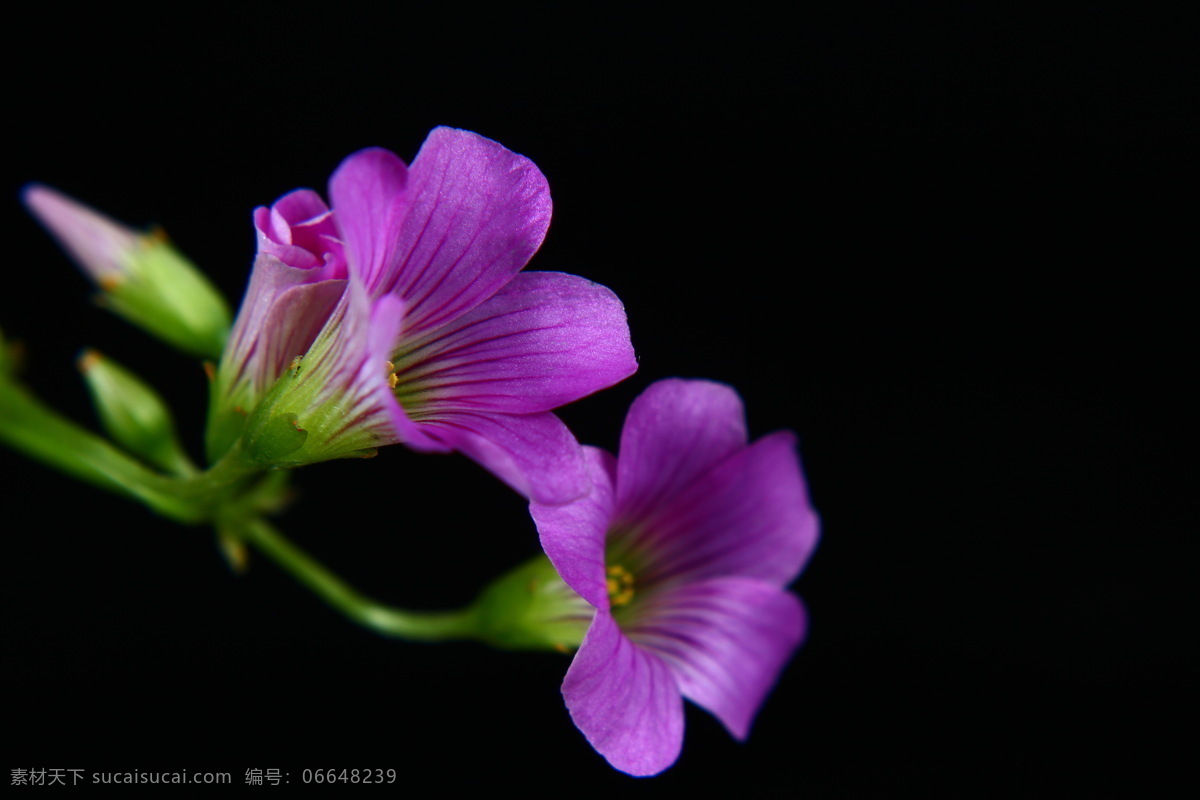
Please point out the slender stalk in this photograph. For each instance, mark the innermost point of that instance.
(30, 427)
(420, 626)
(42, 433)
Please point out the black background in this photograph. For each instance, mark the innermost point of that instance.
(944, 246)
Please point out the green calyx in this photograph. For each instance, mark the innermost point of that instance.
(134, 414)
(303, 419)
(164, 293)
(531, 608)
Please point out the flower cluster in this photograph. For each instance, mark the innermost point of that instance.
(397, 311)
(414, 325)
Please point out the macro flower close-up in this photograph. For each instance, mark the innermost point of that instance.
(752, 403)
(404, 300)
(685, 547)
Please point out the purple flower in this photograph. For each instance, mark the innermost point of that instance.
(684, 546)
(436, 340)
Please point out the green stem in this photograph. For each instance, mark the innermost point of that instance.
(420, 626)
(41, 433)
(38, 431)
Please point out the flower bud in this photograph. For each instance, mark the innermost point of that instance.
(141, 276)
(132, 413)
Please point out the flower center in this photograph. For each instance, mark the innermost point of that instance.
(392, 378)
(620, 585)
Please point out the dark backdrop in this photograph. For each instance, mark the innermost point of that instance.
(944, 247)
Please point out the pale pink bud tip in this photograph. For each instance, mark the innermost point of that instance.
(101, 246)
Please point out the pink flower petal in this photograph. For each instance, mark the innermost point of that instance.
(748, 516)
(624, 700)
(533, 453)
(544, 340)
(675, 431)
(368, 196)
(295, 318)
(302, 208)
(726, 641)
(475, 214)
(299, 230)
(574, 535)
(281, 314)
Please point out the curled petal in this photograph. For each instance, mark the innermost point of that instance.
(726, 641)
(624, 700)
(675, 431)
(546, 339)
(300, 216)
(299, 231)
(573, 535)
(533, 453)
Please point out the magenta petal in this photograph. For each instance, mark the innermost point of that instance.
(295, 319)
(478, 213)
(274, 239)
(300, 208)
(533, 453)
(726, 641)
(574, 535)
(281, 314)
(749, 516)
(624, 700)
(365, 332)
(386, 316)
(546, 339)
(675, 431)
(368, 194)
(299, 230)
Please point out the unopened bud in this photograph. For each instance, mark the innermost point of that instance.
(141, 276)
(132, 413)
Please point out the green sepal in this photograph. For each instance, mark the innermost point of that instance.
(531, 608)
(302, 397)
(168, 296)
(224, 429)
(273, 441)
(133, 413)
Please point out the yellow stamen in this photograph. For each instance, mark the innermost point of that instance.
(619, 585)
